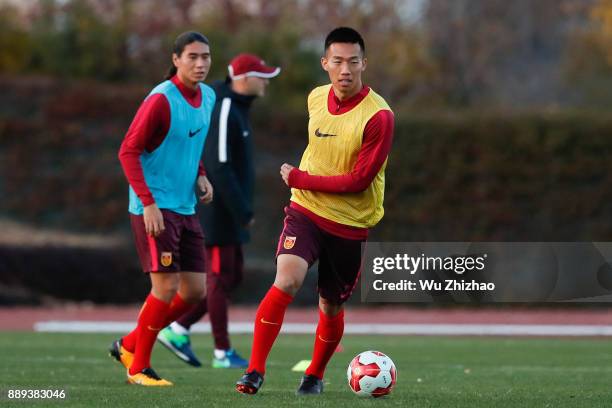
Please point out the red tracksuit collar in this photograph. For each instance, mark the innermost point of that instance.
(337, 107)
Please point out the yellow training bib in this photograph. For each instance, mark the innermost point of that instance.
(334, 142)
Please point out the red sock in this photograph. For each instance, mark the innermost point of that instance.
(129, 340)
(328, 335)
(268, 322)
(151, 320)
(178, 307)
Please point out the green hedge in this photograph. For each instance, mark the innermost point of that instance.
(500, 177)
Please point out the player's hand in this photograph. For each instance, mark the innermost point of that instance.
(153, 220)
(284, 172)
(206, 188)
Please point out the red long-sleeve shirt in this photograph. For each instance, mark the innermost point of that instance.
(147, 132)
(375, 147)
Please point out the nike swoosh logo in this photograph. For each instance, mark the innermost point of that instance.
(326, 341)
(192, 134)
(267, 322)
(319, 134)
(153, 328)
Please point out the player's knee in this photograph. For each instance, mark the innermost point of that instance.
(165, 288)
(194, 295)
(288, 284)
(329, 308)
(290, 273)
(193, 291)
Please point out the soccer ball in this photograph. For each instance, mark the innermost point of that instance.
(371, 374)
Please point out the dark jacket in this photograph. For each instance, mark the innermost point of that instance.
(228, 159)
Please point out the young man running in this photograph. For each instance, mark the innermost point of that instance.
(337, 195)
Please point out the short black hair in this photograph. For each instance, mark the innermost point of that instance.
(344, 35)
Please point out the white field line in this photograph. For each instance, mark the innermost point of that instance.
(75, 326)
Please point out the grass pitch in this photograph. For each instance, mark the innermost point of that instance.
(432, 372)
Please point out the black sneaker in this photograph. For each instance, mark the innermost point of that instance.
(250, 383)
(310, 385)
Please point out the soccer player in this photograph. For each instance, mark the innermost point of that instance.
(337, 195)
(160, 156)
(228, 158)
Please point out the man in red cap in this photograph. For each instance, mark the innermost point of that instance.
(228, 158)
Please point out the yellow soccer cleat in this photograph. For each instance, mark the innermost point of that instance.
(119, 353)
(148, 378)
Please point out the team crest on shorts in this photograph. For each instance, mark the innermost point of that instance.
(289, 242)
(166, 258)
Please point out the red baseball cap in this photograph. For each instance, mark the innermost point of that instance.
(246, 65)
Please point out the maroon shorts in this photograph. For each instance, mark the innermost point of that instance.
(180, 248)
(339, 258)
(225, 265)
